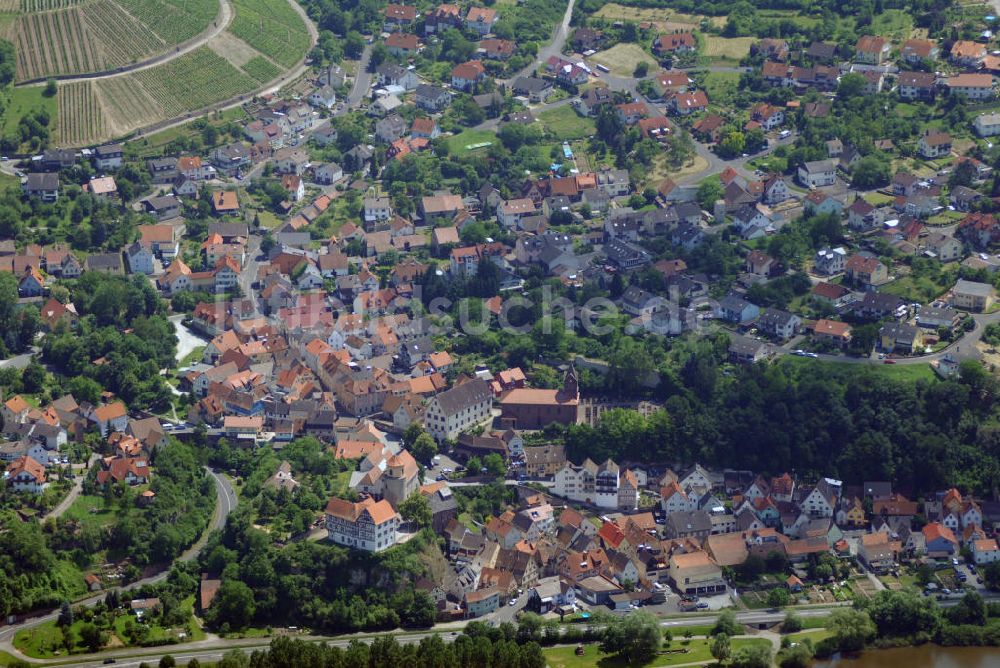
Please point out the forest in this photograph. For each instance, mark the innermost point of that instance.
(816, 420)
(121, 342)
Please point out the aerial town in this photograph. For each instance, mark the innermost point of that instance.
(529, 319)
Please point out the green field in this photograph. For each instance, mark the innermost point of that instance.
(896, 24)
(814, 635)
(721, 87)
(904, 372)
(565, 124)
(458, 143)
(81, 511)
(273, 28)
(622, 59)
(697, 651)
(24, 100)
(727, 48)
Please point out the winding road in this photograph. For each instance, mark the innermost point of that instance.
(225, 503)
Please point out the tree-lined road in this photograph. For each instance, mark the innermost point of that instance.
(225, 503)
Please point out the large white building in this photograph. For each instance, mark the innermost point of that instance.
(369, 525)
(456, 410)
(605, 486)
(26, 475)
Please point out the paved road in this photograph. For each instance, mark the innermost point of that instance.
(213, 649)
(18, 361)
(222, 20)
(226, 502)
(362, 79)
(553, 48)
(249, 273)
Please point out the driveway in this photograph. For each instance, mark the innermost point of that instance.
(74, 492)
(187, 340)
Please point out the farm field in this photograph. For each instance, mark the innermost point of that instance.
(58, 37)
(727, 48)
(126, 104)
(261, 69)
(36, 5)
(57, 42)
(664, 19)
(622, 58)
(188, 83)
(273, 28)
(81, 118)
(192, 81)
(175, 21)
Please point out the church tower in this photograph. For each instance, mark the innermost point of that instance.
(571, 386)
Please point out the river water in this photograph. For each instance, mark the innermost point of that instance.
(924, 656)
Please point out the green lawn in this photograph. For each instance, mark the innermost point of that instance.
(878, 199)
(81, 511)
(892, 23)
(697, 650)
(192, 357)
(815, 635)
(460, 143)
(921, 288)
(678, 632)
(566, 124)
(8, 181)
(23, 100)
(40, 642)
(908, 372)
(813, 622)
(720, 86)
